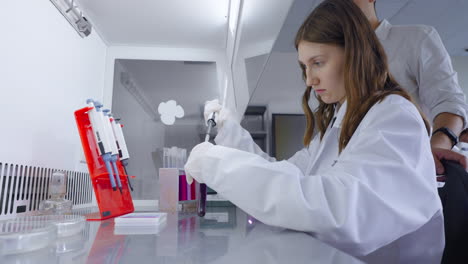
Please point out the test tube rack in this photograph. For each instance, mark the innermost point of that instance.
(111, 203)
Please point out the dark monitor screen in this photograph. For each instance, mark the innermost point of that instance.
(287, 136)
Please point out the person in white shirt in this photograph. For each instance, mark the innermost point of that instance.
(420, 63)
(365, 183)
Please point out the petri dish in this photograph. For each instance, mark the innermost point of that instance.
(67, 225)
(69, 244)
(20, 235)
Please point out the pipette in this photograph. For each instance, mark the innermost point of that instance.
(115, 151)
(202, 201)
(103, 143)
(122, 146)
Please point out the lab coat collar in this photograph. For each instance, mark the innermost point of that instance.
(383, 29)
(339, 115)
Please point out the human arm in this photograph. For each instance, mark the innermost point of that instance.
(441, 143)
(450, 121)
(440, 93)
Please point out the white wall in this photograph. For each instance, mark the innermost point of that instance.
(48, 71)
(460, 64)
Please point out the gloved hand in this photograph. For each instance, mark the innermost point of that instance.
(221, 113)
(193, 165)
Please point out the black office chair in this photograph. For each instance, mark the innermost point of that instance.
(454, 197)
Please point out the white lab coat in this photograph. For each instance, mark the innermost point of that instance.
(377, 198)
(420, 63)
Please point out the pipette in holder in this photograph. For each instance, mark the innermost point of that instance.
(102, 141)
(202, 201)
(122, 146)
(115, 151)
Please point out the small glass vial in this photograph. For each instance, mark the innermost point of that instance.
(57, 204)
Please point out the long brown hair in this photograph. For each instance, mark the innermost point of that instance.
(366, 74)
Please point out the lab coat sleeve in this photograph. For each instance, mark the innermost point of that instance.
(438, 82)
(233, 135)
(381, 188)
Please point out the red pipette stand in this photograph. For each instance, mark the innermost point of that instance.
(111, 203)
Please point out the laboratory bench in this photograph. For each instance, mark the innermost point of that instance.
(224, 235)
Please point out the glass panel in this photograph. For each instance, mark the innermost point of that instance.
(259, 24)
(140, 86)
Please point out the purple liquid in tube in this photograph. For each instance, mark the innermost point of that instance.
(202, 200)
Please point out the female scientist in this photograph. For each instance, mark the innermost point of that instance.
(366, 182)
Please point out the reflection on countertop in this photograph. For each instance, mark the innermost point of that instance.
(224, 235)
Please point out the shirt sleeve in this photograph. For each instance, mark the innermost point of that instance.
(386, 172)
(438, 82)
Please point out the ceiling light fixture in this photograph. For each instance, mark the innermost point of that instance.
(74, 16)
